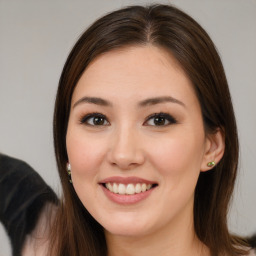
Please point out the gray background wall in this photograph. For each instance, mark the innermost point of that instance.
(35, 39)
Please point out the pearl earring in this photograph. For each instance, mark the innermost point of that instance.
(69, 172)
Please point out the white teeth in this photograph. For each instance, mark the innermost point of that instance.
(144, 187)
(109, 187)
(129, 189)
(115, 188)
(138, 188)
(121, 189)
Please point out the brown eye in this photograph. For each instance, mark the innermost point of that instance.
(95, 119)
(160, 119)
(98, 120)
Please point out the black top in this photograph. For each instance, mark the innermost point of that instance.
(23, 194)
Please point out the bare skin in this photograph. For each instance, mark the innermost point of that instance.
(114, 130)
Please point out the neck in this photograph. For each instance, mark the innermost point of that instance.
(177, 239)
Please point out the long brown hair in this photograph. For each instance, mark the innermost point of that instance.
(76, 232)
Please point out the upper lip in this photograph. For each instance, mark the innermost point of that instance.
(126, 180)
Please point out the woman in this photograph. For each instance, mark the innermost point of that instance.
(145, 140)
(146, 143)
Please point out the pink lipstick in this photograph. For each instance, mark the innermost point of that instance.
(127, 190)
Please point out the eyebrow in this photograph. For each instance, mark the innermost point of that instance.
(147, 102)
(157, 100)
(93, 100)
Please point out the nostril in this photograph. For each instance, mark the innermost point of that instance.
(125, 156)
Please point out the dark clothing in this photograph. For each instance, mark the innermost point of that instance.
(252, 241)
(23, 194)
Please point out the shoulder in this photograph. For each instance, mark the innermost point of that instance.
(37, 242)
(252, 252)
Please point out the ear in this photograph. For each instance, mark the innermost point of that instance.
(214, 149)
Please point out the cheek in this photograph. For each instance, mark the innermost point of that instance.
(178, 155)
(85, 154)
(178, 162)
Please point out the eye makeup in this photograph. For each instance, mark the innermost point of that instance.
(156, 119)
(160, 119)
(94, 119)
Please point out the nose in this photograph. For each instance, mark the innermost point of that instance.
(126, 149)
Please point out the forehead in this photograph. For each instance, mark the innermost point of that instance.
(136, 71)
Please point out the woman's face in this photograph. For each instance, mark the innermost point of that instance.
(136, 141)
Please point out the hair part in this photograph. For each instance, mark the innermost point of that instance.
(76, 232)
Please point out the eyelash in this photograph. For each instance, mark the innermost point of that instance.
(84, 119)
(164, 116)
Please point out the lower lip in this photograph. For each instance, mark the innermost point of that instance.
(127, 199)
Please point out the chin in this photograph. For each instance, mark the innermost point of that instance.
(131, 227)
(127, 231)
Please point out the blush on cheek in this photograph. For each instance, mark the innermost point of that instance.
(80, 148)
(85, 160)
(84, 167)
(176, 157)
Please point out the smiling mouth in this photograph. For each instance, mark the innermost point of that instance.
(128, 189)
